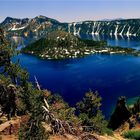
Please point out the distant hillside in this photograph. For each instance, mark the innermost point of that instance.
(38, 26)
(41, 25)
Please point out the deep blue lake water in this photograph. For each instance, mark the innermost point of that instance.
(111, 75)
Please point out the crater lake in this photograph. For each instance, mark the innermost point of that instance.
(111, 75)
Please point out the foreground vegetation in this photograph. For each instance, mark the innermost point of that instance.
(135, 135)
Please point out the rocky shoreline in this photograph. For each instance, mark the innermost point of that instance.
(62, 53)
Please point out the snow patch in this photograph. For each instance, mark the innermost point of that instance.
(14, 28)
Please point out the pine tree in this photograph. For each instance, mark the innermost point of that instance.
(90, 113)
(120, 114)
(17, 95)
(12, 77)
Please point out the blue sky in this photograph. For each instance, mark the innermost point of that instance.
(71, 10)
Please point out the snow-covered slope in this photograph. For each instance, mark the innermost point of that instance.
(41, 25)
(129, 27)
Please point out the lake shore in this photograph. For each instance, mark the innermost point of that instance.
(64, 53)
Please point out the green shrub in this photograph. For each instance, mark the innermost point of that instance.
(107, 131)
(132, 134)
(90, 114)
